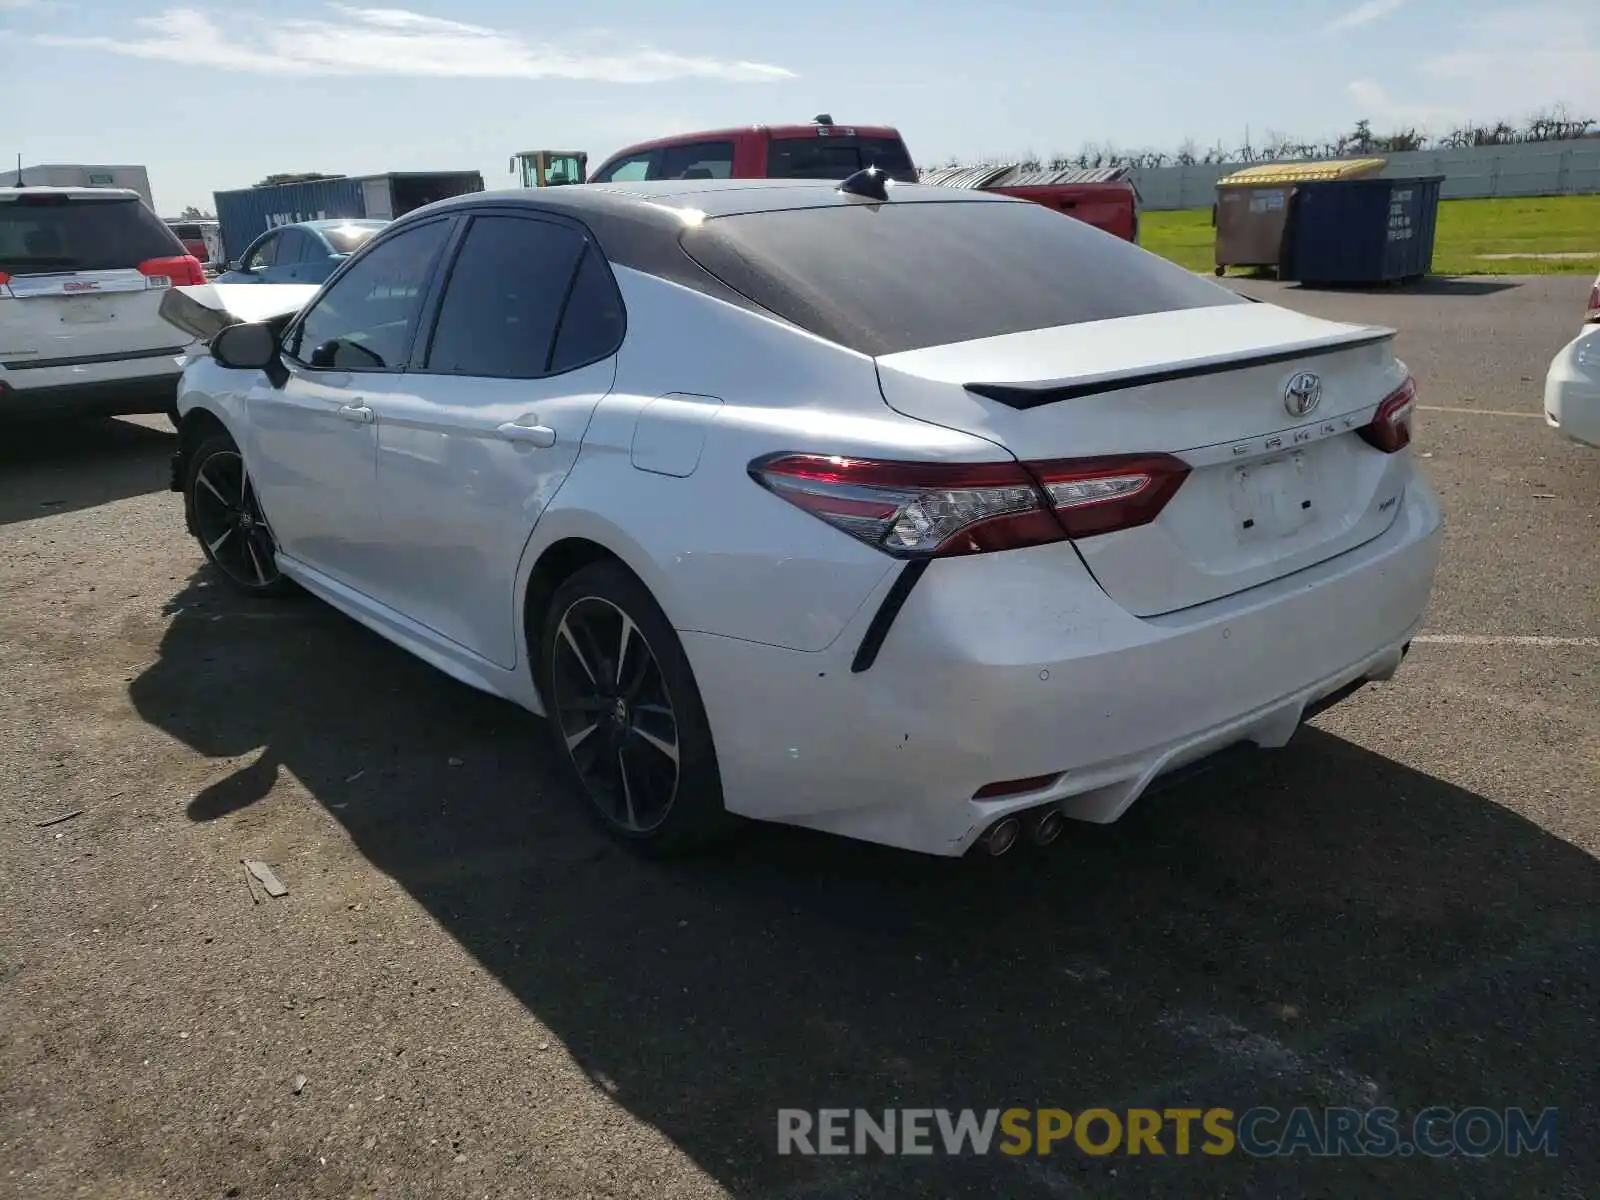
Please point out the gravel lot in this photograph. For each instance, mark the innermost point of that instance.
(486, 1000)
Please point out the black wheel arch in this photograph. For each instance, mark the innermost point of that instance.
(195, 426)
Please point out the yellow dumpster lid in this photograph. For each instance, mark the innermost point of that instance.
(1270, 173)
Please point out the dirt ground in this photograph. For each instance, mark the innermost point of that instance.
(467, 992)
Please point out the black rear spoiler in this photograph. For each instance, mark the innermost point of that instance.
(1035, 395)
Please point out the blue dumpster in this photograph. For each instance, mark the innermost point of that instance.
(1361, 230)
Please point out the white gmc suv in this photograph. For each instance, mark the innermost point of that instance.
(82, 274)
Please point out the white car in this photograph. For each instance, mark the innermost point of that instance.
(1572, 386)
(911, 514)
(82, 274)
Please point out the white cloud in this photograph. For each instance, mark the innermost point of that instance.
(1363, 14)
(389, 41)
(1374, 103)
(1506, 65)
(1512, 62)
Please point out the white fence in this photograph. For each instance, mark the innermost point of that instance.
(1526, 169)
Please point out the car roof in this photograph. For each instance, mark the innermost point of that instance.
(672, 202)
(638, 225)
(82, 193)
(730, 134)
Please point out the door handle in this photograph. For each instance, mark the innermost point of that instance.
(533, 434)
(358, 414)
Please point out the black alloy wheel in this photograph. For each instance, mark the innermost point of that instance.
(228, 521)
(626, 714)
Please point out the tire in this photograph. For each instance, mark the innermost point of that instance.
(1218, 271)
(611, 723)
(227, 520)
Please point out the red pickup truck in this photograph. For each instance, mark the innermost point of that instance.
(825, 150)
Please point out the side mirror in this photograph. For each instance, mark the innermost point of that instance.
(250, 347)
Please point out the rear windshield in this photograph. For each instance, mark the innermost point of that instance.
(836, 157)
(190, 233)
(347, 239)
(40, 235)
(882, 278)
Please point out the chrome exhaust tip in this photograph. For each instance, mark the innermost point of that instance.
(1048, 826)
(1002, 836)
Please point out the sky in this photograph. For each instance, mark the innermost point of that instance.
(211, 96)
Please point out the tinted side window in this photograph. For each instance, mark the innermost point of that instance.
(504, 297)
(626, 171)
(365, 320)
(904, 275)
(264, 254)
(592, 325)
(293, 246)
(698, 160)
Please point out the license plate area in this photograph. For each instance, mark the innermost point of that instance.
(1274, 498)
(86, 310)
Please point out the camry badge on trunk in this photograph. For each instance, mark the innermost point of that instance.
(1302, 394)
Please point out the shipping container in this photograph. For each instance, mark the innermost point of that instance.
(1252, 208)
(85, 175)
(246, 213)
(1361, 231)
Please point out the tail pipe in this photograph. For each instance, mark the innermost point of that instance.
(1042, 826)
(1002, 835)
(1046, 825)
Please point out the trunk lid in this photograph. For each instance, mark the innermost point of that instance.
(77, 316)
(1271, 490)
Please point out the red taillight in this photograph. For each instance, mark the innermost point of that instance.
(1390, 427)
(180, 270)
(1594, 303)
(1102, 495)
(4, 279)
(925, 510)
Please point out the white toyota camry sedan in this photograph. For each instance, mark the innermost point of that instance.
(916, 515)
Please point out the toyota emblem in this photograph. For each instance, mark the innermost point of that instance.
(1302, 394)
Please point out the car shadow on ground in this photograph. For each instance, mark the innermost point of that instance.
(1432, 285)
(55, 467)
(1322, 926)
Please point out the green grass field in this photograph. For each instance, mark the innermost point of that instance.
(1468, 229)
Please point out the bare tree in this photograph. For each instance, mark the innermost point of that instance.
(1278, 146)
(1556, 123)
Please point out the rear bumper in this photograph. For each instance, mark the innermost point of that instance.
(154, 393)
(1016, 666)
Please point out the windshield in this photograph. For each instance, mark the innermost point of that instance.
(837, 156)
(40, 234)
(347, 239)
